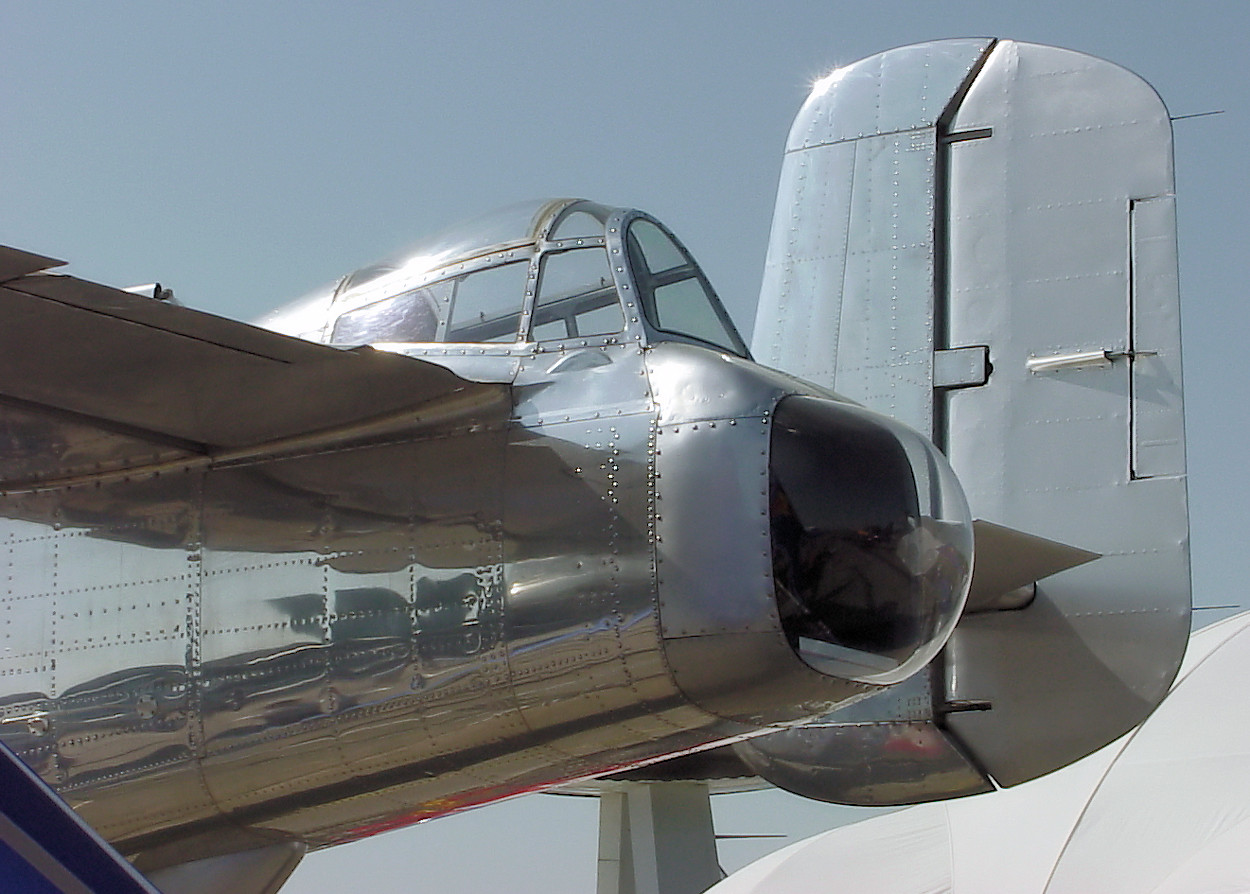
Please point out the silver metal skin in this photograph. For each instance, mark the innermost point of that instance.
(267, 592)
(978, 238)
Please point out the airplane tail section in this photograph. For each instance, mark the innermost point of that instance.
(978, 238)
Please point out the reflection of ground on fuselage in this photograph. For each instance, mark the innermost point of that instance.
(135, 715)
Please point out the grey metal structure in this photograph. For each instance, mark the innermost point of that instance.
(265, 594)
(978, 238)
(517, 509)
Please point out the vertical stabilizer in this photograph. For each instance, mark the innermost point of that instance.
(847, 300)
(978, 237)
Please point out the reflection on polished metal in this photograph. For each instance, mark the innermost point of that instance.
(977, 237)
(869, 582)
(516, 508)
(262, 590)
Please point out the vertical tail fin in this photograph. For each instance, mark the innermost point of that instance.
(978, 238)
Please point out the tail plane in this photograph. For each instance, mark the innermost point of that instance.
(977, 237)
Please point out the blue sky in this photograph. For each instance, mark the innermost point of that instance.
(244, 153)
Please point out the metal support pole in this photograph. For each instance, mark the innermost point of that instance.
(657, 838)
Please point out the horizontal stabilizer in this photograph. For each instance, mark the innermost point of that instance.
(1008, 561)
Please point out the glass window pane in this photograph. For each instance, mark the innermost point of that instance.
(577, 224)
(411, 317)
(575, 289)
(683, 307)
(487, 304)
(551, 330)
(604, 320)
(673, 293)
(658, 250)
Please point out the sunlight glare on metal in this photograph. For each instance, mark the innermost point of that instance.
(821, 85)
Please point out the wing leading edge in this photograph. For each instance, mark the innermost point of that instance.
(97, 383)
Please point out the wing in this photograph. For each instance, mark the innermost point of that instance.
(99, 386)
(158, 382)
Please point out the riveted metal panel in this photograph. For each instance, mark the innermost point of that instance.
(1041, 238)
(714, 557)
(874, 200)
(901, 89)
(856, 217)
(373, 596)
(583, 631)
(692, 384)
(113, 723)
(886, 359)
(27, 600)
(43, 447)
(861, 224)
(798, 319)
(581, 595)
(264, 624)
(409, 549)
(373, 671)
(599, 382)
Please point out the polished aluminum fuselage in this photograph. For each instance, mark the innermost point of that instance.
(550, 579)
(267, 584)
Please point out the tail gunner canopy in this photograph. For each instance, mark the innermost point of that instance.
(871, 540)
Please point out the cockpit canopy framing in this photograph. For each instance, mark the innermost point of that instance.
(538, 275)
